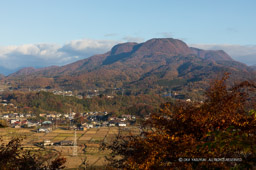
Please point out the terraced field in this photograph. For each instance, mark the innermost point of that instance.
(92, 138)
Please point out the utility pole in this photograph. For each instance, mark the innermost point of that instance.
(70, 118)
(55, 120)
(75, 145)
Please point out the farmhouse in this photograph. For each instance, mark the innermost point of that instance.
(66, 143)
(47, 143)
(122, 124)
(44, 130)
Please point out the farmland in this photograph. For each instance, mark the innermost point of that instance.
(92, 138)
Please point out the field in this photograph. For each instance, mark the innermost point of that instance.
(92, 138)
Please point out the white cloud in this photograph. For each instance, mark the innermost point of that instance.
(87, 46)
(42, 55)
(242, 53)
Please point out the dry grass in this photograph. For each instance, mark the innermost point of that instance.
(91, 132)
(85, 138)
(66, 134)
(52, 134)
(91, 137)
(39, 134)
(59, 138)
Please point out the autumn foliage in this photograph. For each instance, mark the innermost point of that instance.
(14, 156)
(218, 133)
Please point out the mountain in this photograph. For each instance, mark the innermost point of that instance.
(157, 64)
(30, 70)
(1, 76)
(212, 54)
(7, 71)
(253, 67)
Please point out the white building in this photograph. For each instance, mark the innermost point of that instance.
(122, 124)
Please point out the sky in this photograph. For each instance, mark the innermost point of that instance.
(57, 32)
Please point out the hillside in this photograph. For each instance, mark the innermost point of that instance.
(156, 65)
(253, 67)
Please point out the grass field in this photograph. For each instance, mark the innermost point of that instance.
(91, 138)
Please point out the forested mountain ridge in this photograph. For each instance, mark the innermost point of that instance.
(156, 64)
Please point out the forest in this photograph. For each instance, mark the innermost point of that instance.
(47, 102)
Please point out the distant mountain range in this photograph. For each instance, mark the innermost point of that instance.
(157, 64)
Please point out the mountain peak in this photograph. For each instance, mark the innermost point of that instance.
(168, 46)
(30, 70)
(122, 48)
(24, 71)
(211, 54)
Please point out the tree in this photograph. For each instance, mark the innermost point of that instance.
(219, 133)
(14, 156)
(3, 123)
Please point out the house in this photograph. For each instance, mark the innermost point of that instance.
(105, 123)
(17, 123)
(31, 124)
(188, 100)
(110, 97)
(112, 118)
(23, 122)
(123, 119)
(14, 120)
(127, 116)
(42, 114)
(50, 115)
(47, 143)
(111, 124)
(122, 124)
(90, 126)
(66, 143)
(47, 123)
(66, 115)
(28, 115)
(6, 116)
(16, 126)
(43, 130)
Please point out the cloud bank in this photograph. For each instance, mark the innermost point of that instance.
(243, 53)
(12, 58)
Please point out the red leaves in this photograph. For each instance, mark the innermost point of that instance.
(217, 128)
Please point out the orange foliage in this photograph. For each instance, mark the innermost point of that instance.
(14, 156)
(219, 133)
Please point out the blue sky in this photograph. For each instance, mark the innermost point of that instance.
(59, 23)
